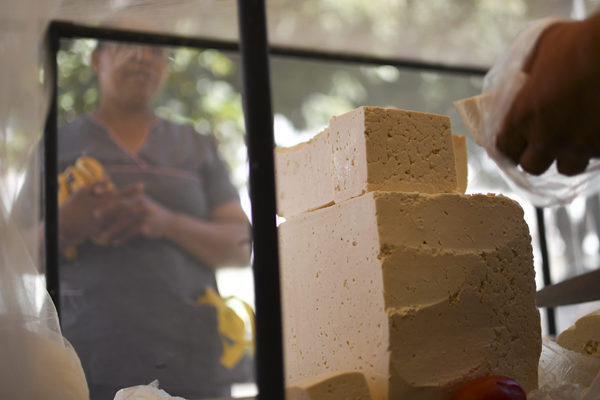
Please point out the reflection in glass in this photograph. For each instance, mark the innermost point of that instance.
(149, 210)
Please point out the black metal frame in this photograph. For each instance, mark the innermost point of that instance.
(541, 224)
(259, 126)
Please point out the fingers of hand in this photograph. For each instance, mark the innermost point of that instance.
(511, 143)
(100, 188)
(571, 164)
(536, 160)
(513, 137)
(126, 232)
(125, 226)
(123, 201)
(132, 189)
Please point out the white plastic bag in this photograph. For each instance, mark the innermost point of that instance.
(483, 115)
(144, 392)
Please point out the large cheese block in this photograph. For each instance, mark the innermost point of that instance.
(584, 336)
(330, 386)
(419, 292)
(367, 149)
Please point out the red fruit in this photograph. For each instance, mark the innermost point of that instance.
(491, 388)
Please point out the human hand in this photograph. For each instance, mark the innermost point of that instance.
(100, 213)
(76, 214)
(157, 218)
(134, 215)
(556, 115)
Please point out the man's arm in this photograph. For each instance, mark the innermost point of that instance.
(222, 241)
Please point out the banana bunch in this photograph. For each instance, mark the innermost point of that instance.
(232, 328)
(84, 172)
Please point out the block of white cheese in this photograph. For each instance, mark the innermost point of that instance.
(459, 143)
(419, 292)
(471, 112)
(584, 336)
(367, 149)
(350, 385)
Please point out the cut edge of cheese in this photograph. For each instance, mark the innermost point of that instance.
(461, 161)
(333, 385)
(470, 110)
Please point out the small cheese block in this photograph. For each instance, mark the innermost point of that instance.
(470, 110)
(483, 114)
(419, 292)
(584, 336)
(364, 150)
(460, 158)
(330, 386)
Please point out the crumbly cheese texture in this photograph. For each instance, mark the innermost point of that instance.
(349, 385)
(368, 149)
(419, 292)
(584, 336)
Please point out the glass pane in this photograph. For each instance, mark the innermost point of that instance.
(154, 232)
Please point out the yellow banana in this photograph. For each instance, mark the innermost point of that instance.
(90, 168)
(93, 170)
(70, 252)
(63, 189)
(92, 165)
(75, 179)
(231, 327)
(84, 172)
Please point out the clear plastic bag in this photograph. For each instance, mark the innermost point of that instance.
(36, 362)
(484, 114)
(566, 375)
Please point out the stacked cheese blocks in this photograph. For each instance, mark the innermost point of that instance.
(389, 269)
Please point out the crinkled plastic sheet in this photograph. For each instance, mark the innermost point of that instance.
(501, 84)
(26, 312)
(566, 375)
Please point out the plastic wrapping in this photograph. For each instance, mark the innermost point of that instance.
(566, 375)
(484, 114)
(36, 362)
(144, 392)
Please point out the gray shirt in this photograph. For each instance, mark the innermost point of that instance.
(131, 312)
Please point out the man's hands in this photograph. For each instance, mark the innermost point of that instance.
(111, 216)
(556, 115)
